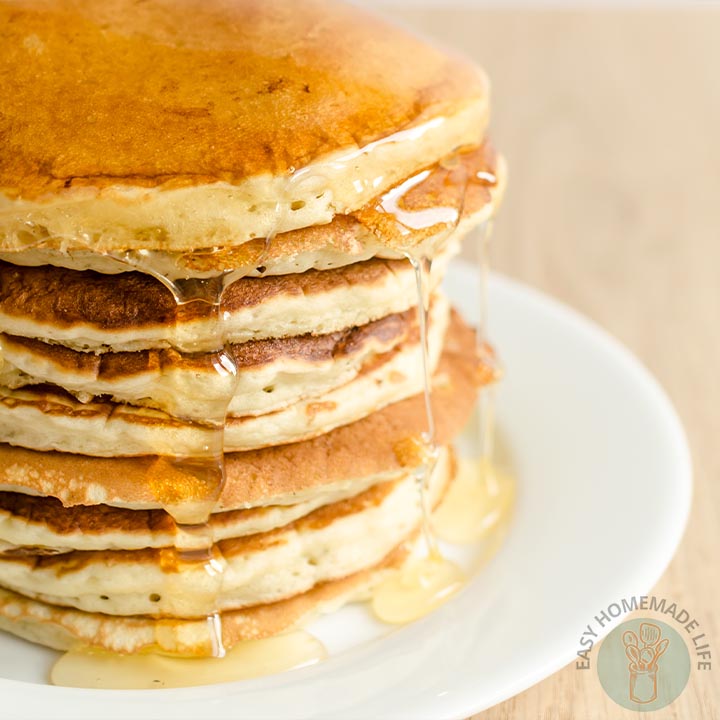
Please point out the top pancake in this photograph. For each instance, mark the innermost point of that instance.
(166, 125)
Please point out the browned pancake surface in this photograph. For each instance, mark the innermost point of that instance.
(466, 182)
(245, 545)
(130, 300)
(115, 302)
(167, 93)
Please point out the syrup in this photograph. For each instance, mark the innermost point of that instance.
(478, 503)
(90, 668)
(480, 497)
(418, 588)
(193, 539)
(426, 582)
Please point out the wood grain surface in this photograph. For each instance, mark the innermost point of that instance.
(610, 120)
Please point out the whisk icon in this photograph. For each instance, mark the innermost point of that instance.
(643, 654)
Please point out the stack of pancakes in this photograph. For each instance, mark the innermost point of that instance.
(214, 220)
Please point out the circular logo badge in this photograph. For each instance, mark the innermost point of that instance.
(643, 664)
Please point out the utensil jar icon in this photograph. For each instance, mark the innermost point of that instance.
(643, 684)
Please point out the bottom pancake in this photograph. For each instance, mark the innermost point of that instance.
(65, 628)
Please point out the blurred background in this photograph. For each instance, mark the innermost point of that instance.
(609, 116)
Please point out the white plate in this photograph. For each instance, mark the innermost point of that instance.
(596, 444)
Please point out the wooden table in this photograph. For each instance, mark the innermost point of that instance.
(610, 121)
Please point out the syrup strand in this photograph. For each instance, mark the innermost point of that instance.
(194, 543)
(422, 268)
(486, 404)
(211, 465)
(481, 499)
(422, 584)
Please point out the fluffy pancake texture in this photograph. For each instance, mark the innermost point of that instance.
(42, 525)
(463, 189)
(133, 311)
(272, 373)
(150, 119)
(63, 628)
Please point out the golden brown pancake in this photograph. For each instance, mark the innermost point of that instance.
(384, 442)
(46, 417)
(155, 145)
(216, 110)
(268, 74)
(31, 524)
(132, 311)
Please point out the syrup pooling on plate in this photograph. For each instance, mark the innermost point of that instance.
(477, 504)
(87, 667)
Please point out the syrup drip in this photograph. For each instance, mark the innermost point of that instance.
(418, 588)
(89, 668)
(203, 475)
(480, 497)
(480, 502)
(424, 583)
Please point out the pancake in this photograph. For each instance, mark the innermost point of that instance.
(271, 374)
(133, 311)
(46, 418)
(382, 443)
(331, 542)
(161, 132)
(464, 188)
(65, 628)
(42, 525)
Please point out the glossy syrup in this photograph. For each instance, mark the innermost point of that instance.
(200, 299)
(202, 474)
(478, 504)
(479, 500)
(426, 582)
(90, 668)
(423, 583)
(189, 489)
